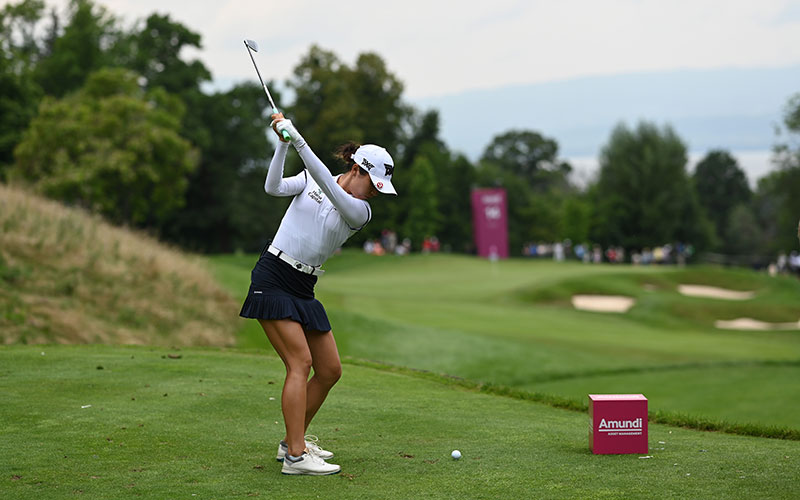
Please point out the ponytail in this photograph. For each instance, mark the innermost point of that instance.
(345, 153)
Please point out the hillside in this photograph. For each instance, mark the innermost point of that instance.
(69, 277)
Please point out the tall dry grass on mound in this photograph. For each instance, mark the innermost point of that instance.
(69, 277)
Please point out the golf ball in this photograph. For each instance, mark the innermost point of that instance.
(456, 454)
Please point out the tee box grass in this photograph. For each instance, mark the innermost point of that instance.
(140, 422)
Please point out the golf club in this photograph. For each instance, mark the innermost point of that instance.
(252, 46)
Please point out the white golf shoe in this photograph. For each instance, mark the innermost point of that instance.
(311, 445)
(309, 465)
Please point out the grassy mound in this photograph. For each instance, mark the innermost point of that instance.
(206, 425)
(69, 277)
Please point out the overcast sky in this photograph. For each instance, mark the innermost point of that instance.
(445, 47)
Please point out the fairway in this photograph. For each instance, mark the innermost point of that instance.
(511, 323)
(139, 422)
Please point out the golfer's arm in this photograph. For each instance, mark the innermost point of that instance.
(275, 184)
(354, 211)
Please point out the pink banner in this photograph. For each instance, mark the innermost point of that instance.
(490, 222)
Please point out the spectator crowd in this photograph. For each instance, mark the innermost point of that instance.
(786, 264)
(678, 253)
(388, 244)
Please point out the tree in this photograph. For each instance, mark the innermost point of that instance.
(526, 164)
(533, 157)
(110, 147)
(154, 51)
(423, 219)
(777, 201)
(18, 44)
(225, 197)
(423, 139)
(380, 112)
(452, 181)
(743, 234)
(224, 132)
(643, 196)
(79, 50)
(19, 92)
(720, 186)
(576, 219)
(18, 97)
(335, 104)
(324, 108)
(455, 177)
(425, 131)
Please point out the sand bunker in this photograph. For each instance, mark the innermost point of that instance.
(754, 324)
(602, 303)
(714, 292)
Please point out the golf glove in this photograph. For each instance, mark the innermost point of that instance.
(297, 140)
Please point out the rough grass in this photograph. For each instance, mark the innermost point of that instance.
(69, 277)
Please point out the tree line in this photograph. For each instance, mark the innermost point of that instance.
(115, 119)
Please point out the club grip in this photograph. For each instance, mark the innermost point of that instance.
(284, 134)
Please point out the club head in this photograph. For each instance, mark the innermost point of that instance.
(251, 44)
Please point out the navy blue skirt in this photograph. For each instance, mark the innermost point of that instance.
(278, 291)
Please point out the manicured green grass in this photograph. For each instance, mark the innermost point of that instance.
(204, 426)
(693, 390)
(510, 323)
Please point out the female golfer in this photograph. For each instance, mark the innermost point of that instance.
(324, 213)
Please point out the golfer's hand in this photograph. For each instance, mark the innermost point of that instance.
(297, 140)
(275, 119)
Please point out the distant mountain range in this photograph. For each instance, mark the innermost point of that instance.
(731, 109)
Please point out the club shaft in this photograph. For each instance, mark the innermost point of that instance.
(264, 85)
(284, 133)
(269, 96)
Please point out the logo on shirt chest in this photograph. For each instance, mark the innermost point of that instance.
(316, 195)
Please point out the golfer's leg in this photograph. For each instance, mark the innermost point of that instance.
(289, 340)
(327, 370)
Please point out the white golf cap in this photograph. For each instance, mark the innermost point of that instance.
(378, 164)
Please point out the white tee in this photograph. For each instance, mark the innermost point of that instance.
(322, 215)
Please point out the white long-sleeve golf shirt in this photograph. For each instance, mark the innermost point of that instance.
(322, 215)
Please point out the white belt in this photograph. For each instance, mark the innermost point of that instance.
(303, 268)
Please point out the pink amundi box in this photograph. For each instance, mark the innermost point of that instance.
(618, 423)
